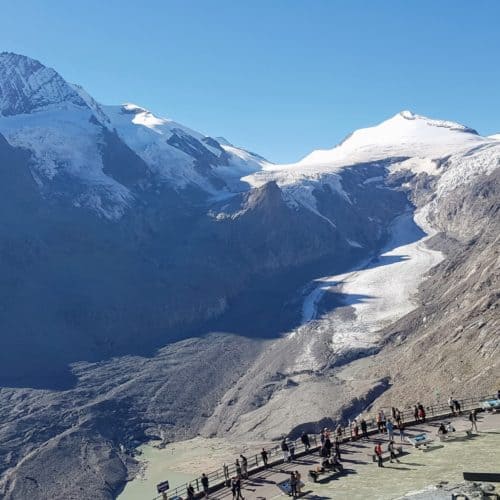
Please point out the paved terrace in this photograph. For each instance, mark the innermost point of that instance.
(362, 478)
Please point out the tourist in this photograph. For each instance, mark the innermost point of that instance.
(458, 408)
(393, 412)
(384, 420)
(364, 429)
(421, 413)
(238, 468)
(415, 413)
(378, 453)
(328, 446)
(392, 451)
(399, 417)
(473, 420)
(336, 450)
(204, 483)
(442, 431)
(450, 427)
(190, 492)
(293, 485)
(305, 441)
(298, 477)
(244, 467)
(236, 488)
(336, 465)
(291, 449)
(225, 468)
(356, 430)
(263, 454)
(379, 422)
(322, 436)
(402, 436)
(390, 429)
(284, 449)
(451, 405)
(338, 431)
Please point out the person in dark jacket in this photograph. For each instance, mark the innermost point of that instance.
(328, 447)
(236, 488)
(263, 454)
(204, 483)
(190, 492)
(392, 451)
(364, 428)
(305, 441)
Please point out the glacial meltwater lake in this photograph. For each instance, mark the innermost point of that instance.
(181, 462)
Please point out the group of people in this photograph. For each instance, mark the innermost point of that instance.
(454, 406)
(295, 484)
(330, 447)
(419, 413)
(379, 453)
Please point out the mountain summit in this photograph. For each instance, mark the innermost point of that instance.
(27, 85)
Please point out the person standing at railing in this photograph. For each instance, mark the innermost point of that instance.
(284, 449)
(421, 413)
(415, 413)
(328, 447)
(225, 469)
(263, 454)
(238, 468)
(458, 408)
(380, 424)
(355, 430)
(399, 417)
(338, 431)
(291, 449)
(204, 483)
(305, 441)
(244, 467)
(190, 492)
(364, 429)
(451, 405)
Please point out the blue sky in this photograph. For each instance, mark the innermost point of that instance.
(280, 77)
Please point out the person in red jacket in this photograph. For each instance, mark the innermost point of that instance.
(378, 452)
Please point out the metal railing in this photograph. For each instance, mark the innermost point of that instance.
(219, 477)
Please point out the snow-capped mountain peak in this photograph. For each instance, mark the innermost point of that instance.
(405, 134)
(26, 85)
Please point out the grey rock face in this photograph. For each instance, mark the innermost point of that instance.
(26, 85)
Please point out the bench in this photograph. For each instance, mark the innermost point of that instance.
(420, 440)
(386, 455)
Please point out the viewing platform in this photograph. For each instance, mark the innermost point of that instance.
(438, 460)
